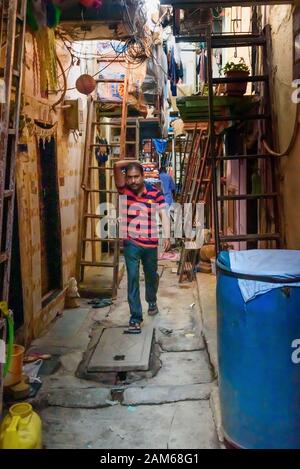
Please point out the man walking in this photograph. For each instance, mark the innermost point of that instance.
(140, 233)
(168, 185)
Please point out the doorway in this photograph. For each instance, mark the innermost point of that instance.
(51, 252)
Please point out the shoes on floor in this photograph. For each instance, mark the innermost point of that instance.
(133, 328)
(153, 309)
(100, 302)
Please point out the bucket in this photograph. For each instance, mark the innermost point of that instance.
(14, 374)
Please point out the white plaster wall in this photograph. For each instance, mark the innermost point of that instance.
(280, 19)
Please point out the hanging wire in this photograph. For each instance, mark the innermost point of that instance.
(135, 50)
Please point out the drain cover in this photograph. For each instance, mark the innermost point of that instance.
(117, 351)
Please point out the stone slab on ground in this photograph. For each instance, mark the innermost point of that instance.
(68, 325)
(70, 361)
(87, 398)
(70, 331)
(118, 351)
(180, 341)
(182, 368)
(67, 382)
(193, 427)
(165, 394)
(180, 425)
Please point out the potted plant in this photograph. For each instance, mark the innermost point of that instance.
(236, 70)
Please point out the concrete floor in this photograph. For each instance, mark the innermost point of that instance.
(176, 408)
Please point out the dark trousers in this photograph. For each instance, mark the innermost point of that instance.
(133, 256)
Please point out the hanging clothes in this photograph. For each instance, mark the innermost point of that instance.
(202, 66)
(101, 152)
(175, 71)
(160, 145)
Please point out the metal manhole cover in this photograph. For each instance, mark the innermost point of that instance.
(117, 351)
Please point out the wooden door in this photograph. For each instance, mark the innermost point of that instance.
(49, 218)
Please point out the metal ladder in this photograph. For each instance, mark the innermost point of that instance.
(265, 115)
(12, 37)
(93, 185)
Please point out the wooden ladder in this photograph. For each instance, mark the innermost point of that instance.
(197, 185)
(12, 37)
(98, 185)
(198, 190)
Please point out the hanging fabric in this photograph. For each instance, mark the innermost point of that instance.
(44, 134)
(175, 71)
(46, 45)
(160, 145)
(202, 68)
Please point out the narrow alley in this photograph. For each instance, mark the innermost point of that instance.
(168, 406)
(149, 226)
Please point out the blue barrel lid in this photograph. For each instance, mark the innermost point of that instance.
(262, 264)
(223, 258)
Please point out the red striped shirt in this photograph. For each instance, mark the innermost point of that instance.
(139, 215)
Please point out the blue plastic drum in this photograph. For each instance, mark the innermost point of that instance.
(258, 302)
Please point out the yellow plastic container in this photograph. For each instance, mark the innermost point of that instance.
(14, 374)
(21, 428)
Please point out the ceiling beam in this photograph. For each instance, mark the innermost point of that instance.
(225, 40)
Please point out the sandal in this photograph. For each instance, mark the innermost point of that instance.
(134, 328)
(100, 303)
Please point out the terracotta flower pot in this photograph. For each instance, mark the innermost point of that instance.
(236, 89)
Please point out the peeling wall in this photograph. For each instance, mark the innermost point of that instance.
(69, 162)
(281, 20)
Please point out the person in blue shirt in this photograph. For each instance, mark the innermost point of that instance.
(168, 185)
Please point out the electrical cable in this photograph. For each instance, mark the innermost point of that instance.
(292, 142)
(65, 85)
(135, 50)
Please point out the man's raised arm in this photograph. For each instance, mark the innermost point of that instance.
(119, 175)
